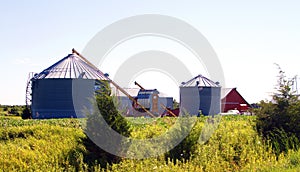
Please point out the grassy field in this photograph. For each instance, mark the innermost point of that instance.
(58, 145)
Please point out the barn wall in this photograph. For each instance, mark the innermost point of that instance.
(233, 101)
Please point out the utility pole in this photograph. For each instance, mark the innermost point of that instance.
(296, 78)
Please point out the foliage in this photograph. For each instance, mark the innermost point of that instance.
(26, 113)
(235, 146)
(187, 147)
(14, 110)
(105, 113)
(278, 120)
(175, 104)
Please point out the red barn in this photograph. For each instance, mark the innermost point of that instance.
(232, 99)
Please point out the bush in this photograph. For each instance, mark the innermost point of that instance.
(187, 147)
(26, 113)
(5, 108)
(14, 111)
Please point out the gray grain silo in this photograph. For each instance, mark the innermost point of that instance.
(200, 95)
(64, 89)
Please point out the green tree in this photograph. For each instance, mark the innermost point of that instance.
(175, 104)
(278, 120)
(95, 130)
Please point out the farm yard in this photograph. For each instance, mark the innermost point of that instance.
(59, 145)
(58, 132)
(150, 86)
(266, 141)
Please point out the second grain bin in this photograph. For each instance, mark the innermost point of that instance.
(200, 95)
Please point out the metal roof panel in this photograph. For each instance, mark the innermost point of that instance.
(71, 66)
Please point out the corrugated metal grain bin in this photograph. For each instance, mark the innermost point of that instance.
(200, 95)
(55, 98)
(189, 100)
(64, 90)
(210, 100)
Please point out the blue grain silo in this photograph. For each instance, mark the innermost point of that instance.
(200, 95)
(64, 89)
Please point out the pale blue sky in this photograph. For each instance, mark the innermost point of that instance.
(248, 36)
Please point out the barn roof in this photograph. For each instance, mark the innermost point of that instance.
(225, 92)
(71, 66)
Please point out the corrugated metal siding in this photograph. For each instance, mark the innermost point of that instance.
(189, 100)
(83, 96)
(167, 102)
(204, 99)
(210, 103)
(125, 105)
(53, 98)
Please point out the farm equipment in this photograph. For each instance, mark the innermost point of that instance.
(150, 100)
(141, 104)
(142, 88)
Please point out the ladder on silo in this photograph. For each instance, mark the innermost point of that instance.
(28, 96)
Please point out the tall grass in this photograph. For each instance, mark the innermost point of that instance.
(38, 144)
(59, 145)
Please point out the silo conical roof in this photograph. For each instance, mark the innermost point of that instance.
(71, 66)
(200, 80)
